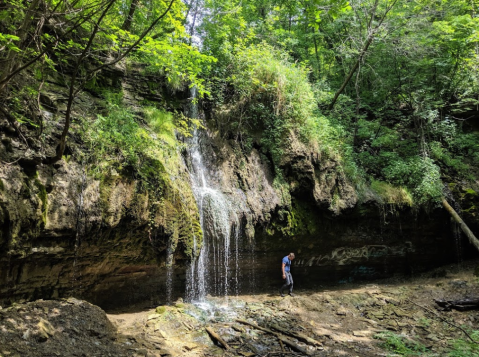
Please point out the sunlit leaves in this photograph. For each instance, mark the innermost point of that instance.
(8, 41)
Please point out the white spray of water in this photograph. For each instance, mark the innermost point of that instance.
(211, 269)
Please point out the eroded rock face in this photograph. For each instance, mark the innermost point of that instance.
(62, 235)
(317, 217)
(317, 178)
(71, 229)
(65, 231)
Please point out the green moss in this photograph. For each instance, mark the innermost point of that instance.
(300, 220)
(42, 194)
(470, 192)
(2, 186)
(392, 195)
(160, 310)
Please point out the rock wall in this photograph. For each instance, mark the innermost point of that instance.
(67, 232)
(74, 229)
(336, 240)
(61, 236)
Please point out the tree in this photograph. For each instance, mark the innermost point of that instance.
(89, 32)
(371, 31)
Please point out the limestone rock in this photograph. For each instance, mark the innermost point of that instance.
(45, 330)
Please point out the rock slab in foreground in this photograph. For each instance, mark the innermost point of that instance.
(60, 328)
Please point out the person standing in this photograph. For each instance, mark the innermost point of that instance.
(286, 270)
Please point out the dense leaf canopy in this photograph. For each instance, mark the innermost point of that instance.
(389, 88)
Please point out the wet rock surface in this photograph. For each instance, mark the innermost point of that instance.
(347, 320)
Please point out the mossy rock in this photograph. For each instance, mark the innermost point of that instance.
(160, 310)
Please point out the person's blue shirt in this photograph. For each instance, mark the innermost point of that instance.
(287, 263)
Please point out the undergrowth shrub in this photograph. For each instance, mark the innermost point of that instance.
(118, 140)
(465, 347)
(266, 75)
(124, 140)
(420, 175)
(271, 97)
(400, 344)
(456, 163)
(268, 99)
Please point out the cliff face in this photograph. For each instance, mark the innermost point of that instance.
(316, 214)
(88, 229)
(64, 232)
(67, 230)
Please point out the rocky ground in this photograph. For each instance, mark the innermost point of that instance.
(383, 319)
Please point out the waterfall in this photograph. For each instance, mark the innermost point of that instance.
(214, 270)
(80, 231)
(169, 274)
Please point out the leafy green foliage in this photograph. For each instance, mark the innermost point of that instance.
(118, 135)
(420, 173)
(270, 94)
(119, 140)
(264, 73)
(180, 63)
(400, 344)
(8, 41)
(465, 347)
(393, 122)
(162, 124)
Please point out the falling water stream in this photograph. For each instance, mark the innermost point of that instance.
(80, 231)
(214, 270)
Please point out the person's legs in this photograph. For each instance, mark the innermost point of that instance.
(288, 283)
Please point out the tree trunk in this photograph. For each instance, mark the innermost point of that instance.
(129, 19)
(316, 50)
(193, 23)
(461, 305)
(298, 335)
(472, 238)
(351, 72)
(280, 337)
(73, 92)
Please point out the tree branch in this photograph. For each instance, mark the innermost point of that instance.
(369, 39)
